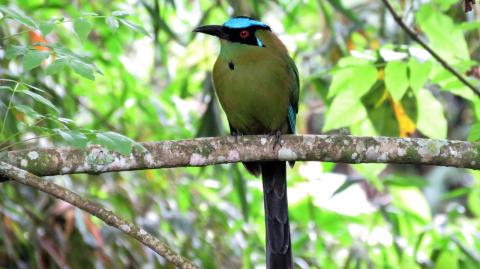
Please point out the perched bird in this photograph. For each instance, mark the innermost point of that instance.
(257, 85)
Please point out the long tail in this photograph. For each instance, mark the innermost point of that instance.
(278, 248)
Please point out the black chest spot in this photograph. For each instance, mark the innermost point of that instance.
(231, 65)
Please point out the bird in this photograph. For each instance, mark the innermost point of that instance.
(257, 84)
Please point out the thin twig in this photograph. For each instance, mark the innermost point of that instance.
(26, 178)
(415, 37)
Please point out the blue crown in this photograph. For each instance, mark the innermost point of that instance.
(243, 22)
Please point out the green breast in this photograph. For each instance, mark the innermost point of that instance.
(253, 85)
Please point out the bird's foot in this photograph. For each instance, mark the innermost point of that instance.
(236, 135)
(278, 138)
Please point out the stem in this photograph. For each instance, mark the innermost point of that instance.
(23, 141)
(11, 172)
(415, 37)
(8, 108)
(19, 132)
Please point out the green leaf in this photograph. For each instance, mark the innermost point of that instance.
(83, 69)
(1, 15)
(93, 14)
(473, 201)
(431, 119)
(39, 99)
(405, 181)
(6, 88)
(469, 26)
(112, 23)
(345, 110)
(56, 66)
(444, 36)
(445, 4)
(33, 87)
(19, 17)
(115, 142)
(357, 79)
(411, 200)
(14, 50)
(396, 79)
(446, 260)
(347, 12)
(474, 134)
(73, 138)
(34, 58)
(28, 111)
(120, 13)
(82, 27)
(418, 74)
(47, 27)
(135, 27)
(347, 184)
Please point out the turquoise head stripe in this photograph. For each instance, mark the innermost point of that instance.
(241, 22)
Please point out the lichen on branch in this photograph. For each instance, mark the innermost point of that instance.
(26, 178)
(218, 150)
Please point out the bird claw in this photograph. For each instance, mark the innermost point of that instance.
(236, 135)
(278, 140)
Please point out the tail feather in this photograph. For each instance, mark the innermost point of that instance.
(278, 248)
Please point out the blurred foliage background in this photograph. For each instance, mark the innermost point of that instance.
(114, 72)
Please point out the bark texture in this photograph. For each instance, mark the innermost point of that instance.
(218, 150)
(26, 178)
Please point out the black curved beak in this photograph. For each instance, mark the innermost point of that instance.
(215, 30)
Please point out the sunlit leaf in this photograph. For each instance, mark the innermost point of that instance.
(444, 36)
(82, 27)
(396, 79)
(34, 58)
(411, 200)
(357, 79)
(344, 111)
(418, 74)
(474, 201)
(431, 118)
(446, 260)
(474, 134)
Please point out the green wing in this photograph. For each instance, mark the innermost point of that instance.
(294, 94)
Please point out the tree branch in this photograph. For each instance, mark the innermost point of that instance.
(435, 55)
(22, 176)
(218, 150)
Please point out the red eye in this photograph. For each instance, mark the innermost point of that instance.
(244, 34)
